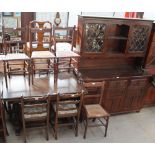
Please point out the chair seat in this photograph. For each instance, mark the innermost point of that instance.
(95, 111)
(16, 57)
(63, 47)
(35, 113)
(34, 110)
(66, 110)
(42, 55)
(32, 117)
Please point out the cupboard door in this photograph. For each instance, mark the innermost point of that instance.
(138, 39)
(135, 95)
(132, 101)
(152, 50)
(150, 96)
(114, 95)
(114, 104)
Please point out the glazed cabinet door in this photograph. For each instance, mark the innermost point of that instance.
(138, 39)
(94, 36)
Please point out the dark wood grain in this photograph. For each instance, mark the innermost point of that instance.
(18, 85)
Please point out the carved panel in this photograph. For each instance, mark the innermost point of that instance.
(94, 37)
(138, 39)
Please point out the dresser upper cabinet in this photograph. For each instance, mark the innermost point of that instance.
(150, 58)
(113, 36)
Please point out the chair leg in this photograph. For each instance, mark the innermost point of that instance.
(86, 126)
(24, 130)
(24, 70)
(94, 119)
(32, 74)
(55, 128)
(77, 127)
(5, 128)
(106, 126)
(7, 131)
(4, 136)
(47, 131)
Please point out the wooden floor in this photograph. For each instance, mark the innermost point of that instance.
(43, 84)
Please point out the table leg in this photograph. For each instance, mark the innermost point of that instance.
(5, 74)
(55, 75)
(16, 118)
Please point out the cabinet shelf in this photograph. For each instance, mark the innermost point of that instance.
(117, 37)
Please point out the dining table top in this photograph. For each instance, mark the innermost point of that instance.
(43, 85)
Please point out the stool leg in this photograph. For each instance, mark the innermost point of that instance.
(86, 126)
(106, 126)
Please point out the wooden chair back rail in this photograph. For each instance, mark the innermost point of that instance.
(68, 106)
(94, 85)
(92, 96)
(67, 37)
(33, 106)
(17, 33)
(68, 29)
(69, 102)
(40, 29)
(72, 99)
(68, 96)
(39, 23)
(21, 30)
(43, 30)
(74, 60)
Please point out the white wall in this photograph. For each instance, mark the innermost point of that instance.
(73, 16)
(149, 15)
(104, 14)
(50, 16)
